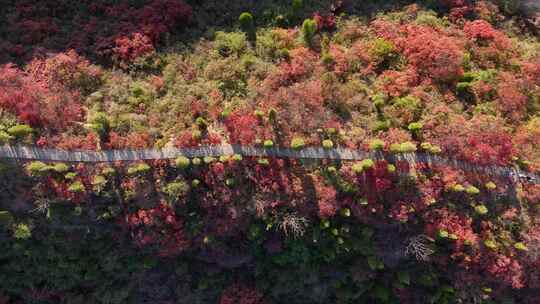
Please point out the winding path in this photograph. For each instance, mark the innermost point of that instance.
(35, 153)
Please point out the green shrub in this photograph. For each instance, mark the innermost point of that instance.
(237, 157)
(99, 180)
(37, 168)
(376, 145)
(378, 100)
(20, 131)
(358, 167)
(467, 58)
(282, 54)
(196, 161)
(259, 114)
(70, 176)
(22, 231)
(415, 127)
(201, 123)
(230, 43)
(76, 187)
(225, 113)
(208, 160)
(429, 18)
(491, 186)
(362, 201)
(345, 212)
(138, 169)
(254, 232)
(367, 164)
(491, 244)
(481, 209)
(60, 168)
(381, 125)
(463, 87)
(331, 131)
(332, 170)
(382, 49)
(96, 97)
(196, 134)
(472, 190)
(409, 103)
(182, 162)
(269, 45)
(327, 144)
(230, 182)
(99, 123)
(309, 29)
(488, 76)
(297, 143)
(246, 21)
(435, 150)
(395, 148)
(327, 60)
(426, 146)
(264, 162)
(325, 224)
(272, 114)
(520, 246)
(5, 137)
(406, 147)
(443, 234)
(108, 171)
(140, 93)
(175, 190)
(137, 90)
(467, 77)
(457, 188)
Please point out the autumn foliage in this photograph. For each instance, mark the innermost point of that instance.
(35, 103)
(434, 55)
(460, 83)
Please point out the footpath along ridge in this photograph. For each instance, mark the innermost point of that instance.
(42, 154)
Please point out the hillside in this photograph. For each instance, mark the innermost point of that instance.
(454, 79)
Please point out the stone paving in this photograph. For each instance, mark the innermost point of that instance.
(35, 153)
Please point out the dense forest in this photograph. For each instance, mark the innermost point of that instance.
(459, 79)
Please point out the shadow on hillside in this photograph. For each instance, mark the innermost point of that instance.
(31, 28)
(225, 257)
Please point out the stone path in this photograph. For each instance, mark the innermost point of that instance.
(35, 153)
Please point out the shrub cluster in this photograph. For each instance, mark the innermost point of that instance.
(461, 82)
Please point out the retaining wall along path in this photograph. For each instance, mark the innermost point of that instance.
(35, 153)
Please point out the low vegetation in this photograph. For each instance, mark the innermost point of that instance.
(455, 78)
